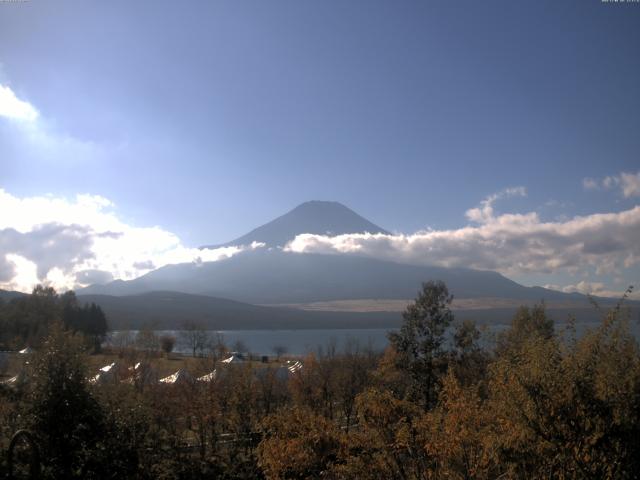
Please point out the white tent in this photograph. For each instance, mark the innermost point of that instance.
(142, 374)
(293, 365)
(19, 379)
(209, 377)
(181, 376)
(105, 374)
(233, 359)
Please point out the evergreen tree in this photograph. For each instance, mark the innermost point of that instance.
(526, 325)
(62, 412)
(420, 339)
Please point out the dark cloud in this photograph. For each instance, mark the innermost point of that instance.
(146, 265)
(90, 277)
(49, 246)
(7, 269)
(112, 235)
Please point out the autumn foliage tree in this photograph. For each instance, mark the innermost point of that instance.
(571, 410)
(298, 444)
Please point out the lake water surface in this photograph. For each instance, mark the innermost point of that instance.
(301, 342)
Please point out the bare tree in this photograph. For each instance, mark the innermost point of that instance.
(167, 342)
(279, 350)
(122, 341)
(194, 335)
(240, 347)
(219, 349)
(147, 340)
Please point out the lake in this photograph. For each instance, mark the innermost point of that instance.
(301, 342)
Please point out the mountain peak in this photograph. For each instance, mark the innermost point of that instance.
(322, 206)
(319, 217)
(319, 204)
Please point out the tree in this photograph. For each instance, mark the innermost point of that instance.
(239, 346)
(420, 339)
(122, 341)
(89, 319)
(167, 342)
(62, 412)
(30, 317)
(465, 337)
(27, 320)
(351, 378)
(525, 325)
(459, 433)
(95, 325)
(468, 360)
(194, 336)
(218, 348)
(388, 442)
(147, 340)
(570, 410)
(297, 443)
(279, 350)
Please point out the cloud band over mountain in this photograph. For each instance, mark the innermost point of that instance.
(509, 243)
(71, 243)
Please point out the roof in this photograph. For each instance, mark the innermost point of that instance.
(180, 376)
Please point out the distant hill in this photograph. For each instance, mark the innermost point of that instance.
(169, 310)
(276, 277)
(316, 217)
(8, 295)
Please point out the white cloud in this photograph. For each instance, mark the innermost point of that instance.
(68, 243)
(484, 212)
(513, 244)
(590, 184)
(598, 289)
(28, 137)
(628, 183)
(72, 242)
(13, 108)
(581, 287)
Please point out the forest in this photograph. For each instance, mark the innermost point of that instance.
(541, 402)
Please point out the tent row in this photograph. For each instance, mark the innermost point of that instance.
(145, 374)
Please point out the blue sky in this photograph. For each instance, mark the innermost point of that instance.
(209, 118)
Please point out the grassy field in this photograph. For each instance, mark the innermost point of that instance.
(367, 305)
(164, 365)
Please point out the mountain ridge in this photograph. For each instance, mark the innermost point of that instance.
(169, 310)
(273, 276)
(277, 277)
